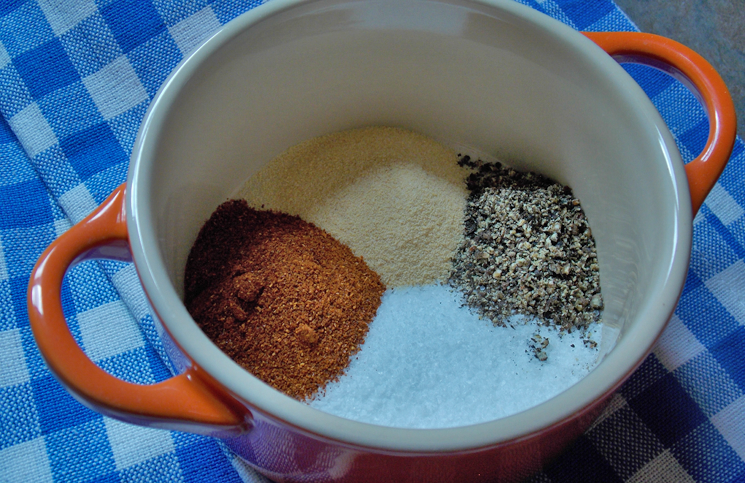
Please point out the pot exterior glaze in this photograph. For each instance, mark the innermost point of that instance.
(490, 78)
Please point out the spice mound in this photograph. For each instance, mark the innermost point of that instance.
(393, 196)
(280, 296)
(527, 249)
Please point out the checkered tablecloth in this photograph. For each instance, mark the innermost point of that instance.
(75, 79)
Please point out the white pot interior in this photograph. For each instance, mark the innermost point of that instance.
(496, 80)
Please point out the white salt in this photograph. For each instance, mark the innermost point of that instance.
(428, 362)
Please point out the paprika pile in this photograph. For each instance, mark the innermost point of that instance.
(280, 296)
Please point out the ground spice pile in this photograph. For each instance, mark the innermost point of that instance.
(527, 249)
(395, 197)
(280, 296)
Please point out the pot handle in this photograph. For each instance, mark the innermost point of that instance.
(700, 77)
(186, 402)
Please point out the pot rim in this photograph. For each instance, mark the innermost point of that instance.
(267, 402)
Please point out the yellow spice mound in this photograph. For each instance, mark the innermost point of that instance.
(395, 197)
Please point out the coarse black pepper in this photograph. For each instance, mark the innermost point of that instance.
(527, 249)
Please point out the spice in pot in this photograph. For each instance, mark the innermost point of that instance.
(527, 249)
(430, 362)
(280, 296)
(395, 197)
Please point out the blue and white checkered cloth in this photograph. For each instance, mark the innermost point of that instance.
(75, 79)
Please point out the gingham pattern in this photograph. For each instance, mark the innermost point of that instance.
(75, 80)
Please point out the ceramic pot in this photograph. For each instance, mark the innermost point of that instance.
(492, 78)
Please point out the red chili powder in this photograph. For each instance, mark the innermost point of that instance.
(280, 296)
